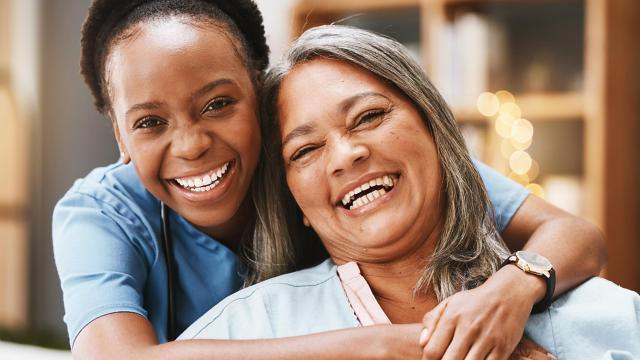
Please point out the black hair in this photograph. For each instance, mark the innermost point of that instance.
(107, 20)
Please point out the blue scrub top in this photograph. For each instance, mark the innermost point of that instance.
(109, 255)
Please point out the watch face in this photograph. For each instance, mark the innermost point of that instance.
(536, 262)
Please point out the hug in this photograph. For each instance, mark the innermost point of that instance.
(342, 167)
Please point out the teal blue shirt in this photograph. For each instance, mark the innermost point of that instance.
(107, 246)
(597, 320)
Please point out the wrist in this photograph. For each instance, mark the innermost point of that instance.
(534, 287)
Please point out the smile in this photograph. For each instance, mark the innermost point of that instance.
(206, 181)
(368, 192)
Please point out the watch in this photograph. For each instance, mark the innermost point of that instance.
(538, 265)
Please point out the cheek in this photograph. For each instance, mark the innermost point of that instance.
(307, 187)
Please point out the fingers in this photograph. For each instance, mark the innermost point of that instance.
(439, 340)
(430, 321)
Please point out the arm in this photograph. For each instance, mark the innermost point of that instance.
(130, 336)
(489, 320)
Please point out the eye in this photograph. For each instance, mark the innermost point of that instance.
(369, 117)
(148, 122)
(303, 152)
(217, 105)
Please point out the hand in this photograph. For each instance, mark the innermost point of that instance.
(399, 341)
(483, 323)
(528, 350)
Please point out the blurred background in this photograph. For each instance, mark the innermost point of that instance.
(546, 92)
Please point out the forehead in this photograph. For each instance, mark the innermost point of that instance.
(317, 89)
(171, 51)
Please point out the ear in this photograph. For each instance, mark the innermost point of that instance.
(305, 221)
(124, 154)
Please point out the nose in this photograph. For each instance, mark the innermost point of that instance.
(190, 141)
(344, 154)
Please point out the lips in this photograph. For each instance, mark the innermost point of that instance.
(368, 191)
(206, 181)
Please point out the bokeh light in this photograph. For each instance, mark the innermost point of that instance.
(520, 162)
(488, 104)
(520, 146)
(511, 108)
(534, 171)
(522, 131)
(536, 189)
(522, 179)
(504, 123)
(506, 149)
(505, 97)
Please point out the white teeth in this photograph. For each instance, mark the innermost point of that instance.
(206, 180)
(204, 183)
(356, 201)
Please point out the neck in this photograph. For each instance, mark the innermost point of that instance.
(231, 233)
(393, 283)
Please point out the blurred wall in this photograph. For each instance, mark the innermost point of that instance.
(70, 140)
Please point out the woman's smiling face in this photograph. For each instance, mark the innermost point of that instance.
(185, 112)
(359, 161)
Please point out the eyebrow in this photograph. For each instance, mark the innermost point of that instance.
(301, 130)
(196, 94)
(344, 106)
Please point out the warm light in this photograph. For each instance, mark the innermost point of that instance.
(505, 97)
(534, 171)
(488, 104)
(520, 162)
(504, 123)
(523, 179)
(522, 131)
(536, 190)
(506, 149)
(520, 146)
(511, 109)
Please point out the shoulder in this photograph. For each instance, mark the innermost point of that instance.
(109, 206)
(596, 318)
(286, 305)
(115, 185)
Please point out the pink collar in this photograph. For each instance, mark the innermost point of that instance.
(362, 300)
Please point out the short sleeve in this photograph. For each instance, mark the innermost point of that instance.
(101, 264)
(506, 195)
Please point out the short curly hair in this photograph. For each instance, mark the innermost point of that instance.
(107, 20)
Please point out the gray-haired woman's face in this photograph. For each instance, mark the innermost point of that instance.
(359, 161)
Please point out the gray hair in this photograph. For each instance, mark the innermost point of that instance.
(469, 249)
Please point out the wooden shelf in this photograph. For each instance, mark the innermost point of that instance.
(535, 107)
(341, 6)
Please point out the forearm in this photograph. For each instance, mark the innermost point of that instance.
(575, 248)
(128, 336)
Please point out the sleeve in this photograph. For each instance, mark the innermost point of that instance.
(101, 267)
(506, 195)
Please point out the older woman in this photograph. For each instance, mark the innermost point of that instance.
(379, 171)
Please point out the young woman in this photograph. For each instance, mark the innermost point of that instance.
(145, 246)
(372, 157)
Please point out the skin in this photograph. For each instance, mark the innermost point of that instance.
(330, 148)
(163, 65)
(197, 115)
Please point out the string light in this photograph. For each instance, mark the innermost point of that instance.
(488, 104)
(522, 131)
(517, 136)
(520, 162)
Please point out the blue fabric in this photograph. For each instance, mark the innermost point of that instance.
(506, 195)
(597, 320)
(109, 255)
(107, 245)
